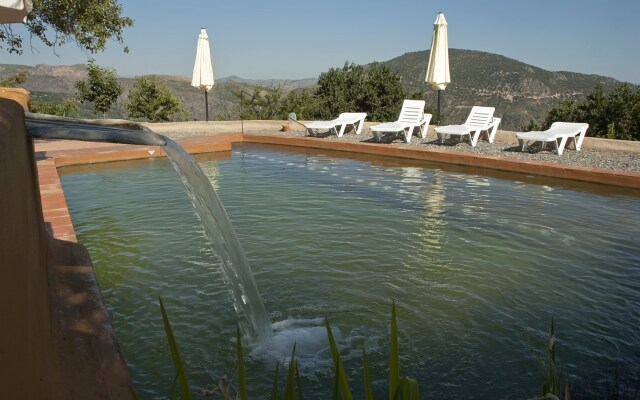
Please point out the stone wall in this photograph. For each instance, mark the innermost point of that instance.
(55, 338)
(26, 339)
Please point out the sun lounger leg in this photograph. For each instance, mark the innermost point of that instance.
(522, 144)
(407, 135)
(491, 132)
(560, 147)
(473, 137)
(578, 143)
(423, 130)
(358, 126)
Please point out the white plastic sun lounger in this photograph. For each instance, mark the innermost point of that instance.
(480, 119)
(559, 133)
(411, 116)
(339, 124)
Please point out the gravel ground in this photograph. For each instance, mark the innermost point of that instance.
(613, 160)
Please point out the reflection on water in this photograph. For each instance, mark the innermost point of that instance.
(478, 266)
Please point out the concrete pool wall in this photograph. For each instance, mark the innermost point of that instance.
(57, 341)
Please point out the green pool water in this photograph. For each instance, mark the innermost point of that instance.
(477, 264)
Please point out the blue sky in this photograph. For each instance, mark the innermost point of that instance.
(300, 39)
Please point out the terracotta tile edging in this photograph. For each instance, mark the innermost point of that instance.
(542, 168)
(54, 205)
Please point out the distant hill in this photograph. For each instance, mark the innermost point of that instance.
(287, 84)
(518, 91)
(56, 83)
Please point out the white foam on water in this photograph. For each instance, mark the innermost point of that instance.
(310, 338)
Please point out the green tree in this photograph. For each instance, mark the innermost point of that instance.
(15, 79)
(375, 89)
(88, 23)
(301, 102)
(615, 115)
(273, 103)
(153, 100)
(566, 111)
(262, 103)
(532, 126)
(100, 88)
(64, 109)
(623, 111)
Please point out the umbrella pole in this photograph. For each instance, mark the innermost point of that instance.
(438, 114)
(206, 106)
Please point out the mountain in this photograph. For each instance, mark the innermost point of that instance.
(519, 92)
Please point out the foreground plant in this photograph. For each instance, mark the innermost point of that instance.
(554, 387)
(183, 383)
(553, 379)
(405, 388)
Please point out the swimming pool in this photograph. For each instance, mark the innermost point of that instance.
(478, 265)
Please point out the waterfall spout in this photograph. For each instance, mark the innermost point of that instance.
(234, 264)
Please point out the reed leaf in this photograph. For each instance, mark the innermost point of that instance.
(368, 389)
(174, 389)
(274, 388)
(411, 390)
(175, 355)
(336, 384)
(242, 378)
(298, 383)
(340, 374)
(289, 391)
(397, 392)
(394, 369)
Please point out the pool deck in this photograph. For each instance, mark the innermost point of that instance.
(53, 154)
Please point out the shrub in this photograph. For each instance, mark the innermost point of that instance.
(153, 100)
(614, 116)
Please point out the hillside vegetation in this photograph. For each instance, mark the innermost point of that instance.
(519, 92)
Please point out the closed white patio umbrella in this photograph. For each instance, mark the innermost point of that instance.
(438, 67)
(14, 10)
(202, 70)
